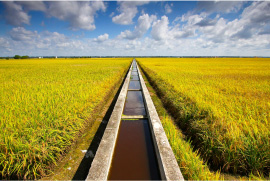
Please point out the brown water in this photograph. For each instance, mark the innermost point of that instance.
(134, 104)
(134, 85)
(134, 155)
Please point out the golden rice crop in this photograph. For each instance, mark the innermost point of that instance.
(190, 162)
(44, 104)
(222, 104)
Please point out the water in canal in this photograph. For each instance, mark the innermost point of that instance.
(134, 155)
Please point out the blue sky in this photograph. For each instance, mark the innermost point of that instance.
(135, 28)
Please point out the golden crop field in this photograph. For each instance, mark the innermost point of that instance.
(222, 105)
(44, 104)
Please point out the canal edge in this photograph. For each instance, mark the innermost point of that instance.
(168, 166)
(100, 167)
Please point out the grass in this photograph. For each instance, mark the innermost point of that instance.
(191, 164)
(222, 105)
(44, 106)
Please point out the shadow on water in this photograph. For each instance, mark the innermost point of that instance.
(152, 159)
(134, 85)
(134, 157)
(87, 160)
(134, 104)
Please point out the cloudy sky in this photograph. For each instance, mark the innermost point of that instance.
(139, 28)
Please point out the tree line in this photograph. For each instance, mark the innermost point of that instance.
(21, 57)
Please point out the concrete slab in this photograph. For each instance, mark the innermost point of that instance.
(134, 117)
(101, 164)
(168, 166)
(134, 89)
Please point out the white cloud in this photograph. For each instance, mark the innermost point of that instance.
(184, 33)
(206, 22)
(16, 13)
(54, 43)
(143, 24)
(32, 5)
(216, 33)
(48, 39)
(80, 15)
(168, 8)
(26, 40)
(248, 34)
(254, 19)
(101, 38)
(257, 13)
(112, 14)
(133, 45)
(160, 29)
(4, 43)
(193, 19)
(21, 34)
(128, 10)
(265, 30)
(219, 6)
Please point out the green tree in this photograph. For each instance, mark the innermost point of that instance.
(25, 57)
(17, 57)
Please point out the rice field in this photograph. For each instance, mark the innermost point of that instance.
(222, 105)
(44, 106)
(191, 164)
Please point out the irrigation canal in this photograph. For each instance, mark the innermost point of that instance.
(134, 145)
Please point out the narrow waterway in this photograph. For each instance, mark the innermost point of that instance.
(134, 156)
